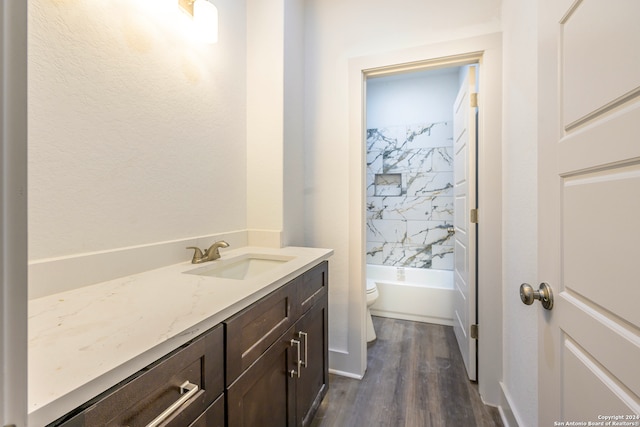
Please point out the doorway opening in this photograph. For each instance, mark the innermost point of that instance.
(420, 195)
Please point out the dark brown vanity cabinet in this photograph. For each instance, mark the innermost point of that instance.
(264, 366)
(264, 395)
(314, 375)
(191, 378)
(212, 417)
(277, 371)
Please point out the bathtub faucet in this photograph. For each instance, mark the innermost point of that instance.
(210, 254)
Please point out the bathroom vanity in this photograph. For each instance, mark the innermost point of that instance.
(287, 328)
(227, 368)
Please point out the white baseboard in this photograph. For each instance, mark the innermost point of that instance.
(342, 363)
(412, 317)
(345, 374)
(509, 418)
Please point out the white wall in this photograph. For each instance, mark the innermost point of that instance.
(275, 136)
(417, 97)
(520, 369)
(293, 186)
(335, 32)
(136, 133)
(265, 104)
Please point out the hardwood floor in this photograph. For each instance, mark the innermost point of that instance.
(415, 378)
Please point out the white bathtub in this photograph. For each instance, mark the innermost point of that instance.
(418, 294)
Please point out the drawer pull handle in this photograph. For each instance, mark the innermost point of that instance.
(293, 372)
(187, 390)
(305, 336)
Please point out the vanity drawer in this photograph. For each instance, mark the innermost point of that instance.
(213, 417)
(313, 286)
(252, 331)
(140, 399)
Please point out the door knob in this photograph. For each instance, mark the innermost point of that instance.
(544, 294)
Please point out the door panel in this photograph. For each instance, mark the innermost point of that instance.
(265, 393)
(592, 141)
(464, 143)
(582, 372)
(597, 334)
(598, 260)
(588, 58)
(589, 197)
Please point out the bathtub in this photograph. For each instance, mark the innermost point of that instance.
(418, 294)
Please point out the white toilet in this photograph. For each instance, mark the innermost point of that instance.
(372, 296)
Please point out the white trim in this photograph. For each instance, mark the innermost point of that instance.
(13, 217)
(346, 374)
(412, 317)
(509, 417)
(489, 194)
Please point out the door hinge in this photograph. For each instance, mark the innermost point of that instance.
(473, 214)
(474, 100)
(473, 332)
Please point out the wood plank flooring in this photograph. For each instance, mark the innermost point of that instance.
(415, 378)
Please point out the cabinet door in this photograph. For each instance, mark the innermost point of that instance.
(313, 287)
(264, 395)
(213, 416)
(252, 331)
(313, 383)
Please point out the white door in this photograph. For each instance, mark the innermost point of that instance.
(589, 211)
(464, 145)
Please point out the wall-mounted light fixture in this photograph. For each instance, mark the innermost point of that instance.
(205, 18)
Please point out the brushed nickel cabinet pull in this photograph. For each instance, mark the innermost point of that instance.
(293, 372)
(305, 336)
(187, 390)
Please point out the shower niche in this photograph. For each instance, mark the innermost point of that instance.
(388, 184)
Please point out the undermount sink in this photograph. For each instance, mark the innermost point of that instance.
(241, 267)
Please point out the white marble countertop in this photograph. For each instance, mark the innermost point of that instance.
(84, 341)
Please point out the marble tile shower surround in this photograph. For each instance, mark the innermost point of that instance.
(410, 196)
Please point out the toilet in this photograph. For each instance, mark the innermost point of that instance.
(372, 296)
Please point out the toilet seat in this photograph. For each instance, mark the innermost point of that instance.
(372, 292)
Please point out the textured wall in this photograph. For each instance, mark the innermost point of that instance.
(136, 132)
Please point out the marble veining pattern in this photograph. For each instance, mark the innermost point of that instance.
(408, 223)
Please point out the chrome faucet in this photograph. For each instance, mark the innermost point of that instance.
(210, 254)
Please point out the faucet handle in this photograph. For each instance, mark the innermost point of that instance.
(197, 255)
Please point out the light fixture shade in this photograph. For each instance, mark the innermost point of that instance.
(205, 18)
